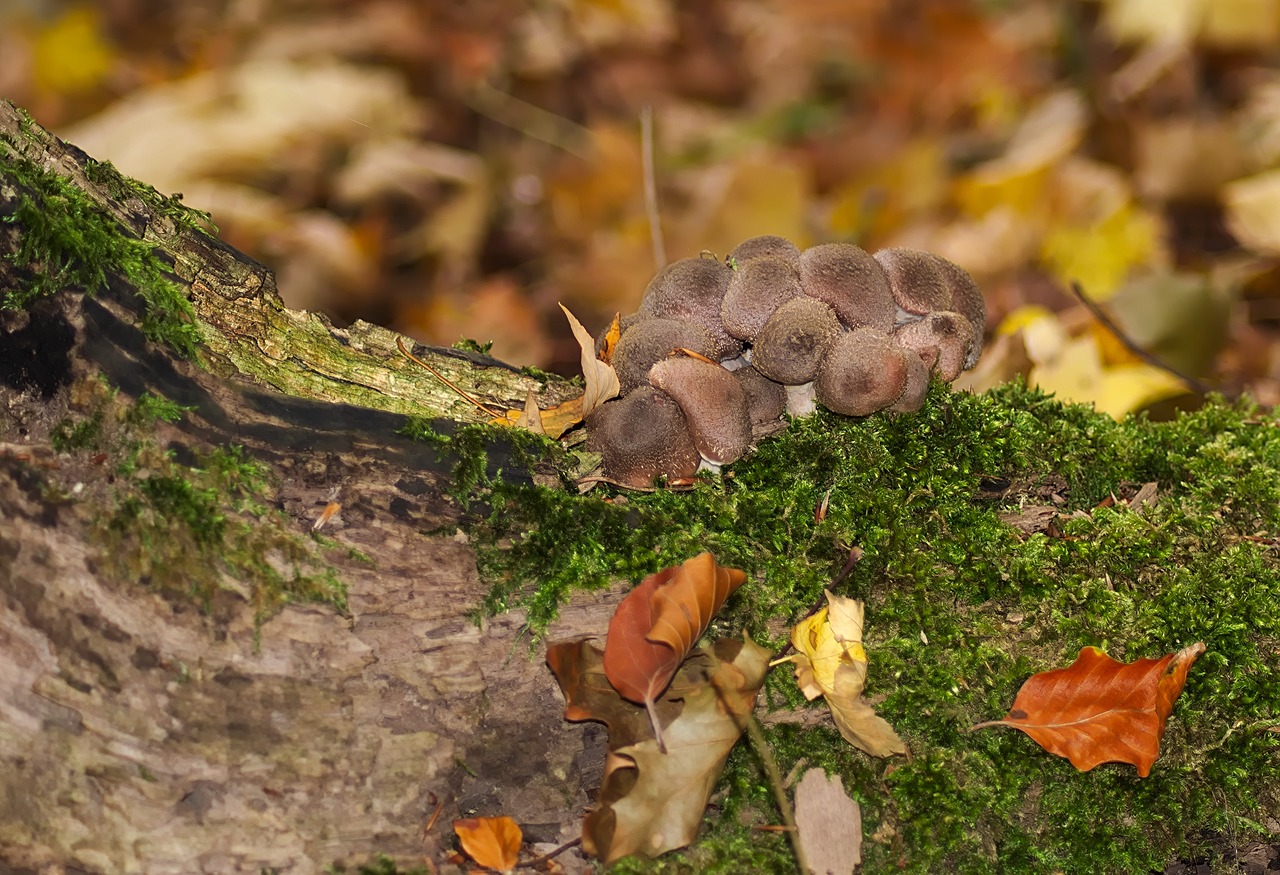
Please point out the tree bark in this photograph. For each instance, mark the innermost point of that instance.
(142, 733)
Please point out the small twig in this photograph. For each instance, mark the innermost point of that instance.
(651, 188)
(779, 790)
(530, 120)
(550, 855)
(747, 723)
(1150, 358)
(442, 378)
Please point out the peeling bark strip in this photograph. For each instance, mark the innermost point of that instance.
(140, 733)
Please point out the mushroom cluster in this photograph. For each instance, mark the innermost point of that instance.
(718, 351)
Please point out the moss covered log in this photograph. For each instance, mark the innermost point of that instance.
(251, 725)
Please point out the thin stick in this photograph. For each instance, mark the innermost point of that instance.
(530, 120)
(779, 791)
(551, 855)
(748, 723)
(651, 188)
(442, 378)
(1150, 358)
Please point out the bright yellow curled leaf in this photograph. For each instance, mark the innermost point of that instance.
(493, 842)
(832, 662)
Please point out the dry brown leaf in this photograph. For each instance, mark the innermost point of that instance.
(657, 624)
(652, 802)
(530, 418)
(601, 380)
(493, 842)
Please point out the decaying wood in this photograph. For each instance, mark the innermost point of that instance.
(140, 733)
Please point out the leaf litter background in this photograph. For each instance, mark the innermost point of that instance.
(454, 170)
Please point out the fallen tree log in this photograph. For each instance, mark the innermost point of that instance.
(144, 731)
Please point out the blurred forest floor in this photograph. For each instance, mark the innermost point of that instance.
(454, 169)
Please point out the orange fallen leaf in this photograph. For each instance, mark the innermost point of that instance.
(1097, 710)
(555, 420)
(657, 624)
(611, 338)
(493, 842)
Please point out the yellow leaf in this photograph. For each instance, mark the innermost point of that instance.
(1128, 388)
(1156, 21)
(831, 662)
(1100, 256)
(1072, 372)
(555, 420)
(73, 54)
(1019, 178)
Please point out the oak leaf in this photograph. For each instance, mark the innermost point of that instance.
(651, 802)
(1097, 710)
(493, 842)
(657, 624)
(831, 662)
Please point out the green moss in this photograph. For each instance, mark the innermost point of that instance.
(121, 188)
(73, 434)
(961, 608)
(383, 865)
(150, 409)
(69, 242)
(184, 528)
(466, 344)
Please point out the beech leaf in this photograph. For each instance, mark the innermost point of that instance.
(1097, 710)
(493, 842)
(831, 662)
(651, 802)
(657, 624)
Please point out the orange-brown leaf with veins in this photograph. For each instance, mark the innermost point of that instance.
(658, 623)
(493, 842)
(1097, 710)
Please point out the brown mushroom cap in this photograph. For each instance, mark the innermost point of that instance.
(758, 287)
(766, 401)
(948, 332)
(714, 405)
(790, 345)
(919, 364)
(850, 282)
(760, 247)
(650, 340)
(967, 299)
(693, 289)
(917, 283)
(864, 371)
(640, 436)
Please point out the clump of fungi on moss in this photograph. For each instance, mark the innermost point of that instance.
(719, 351)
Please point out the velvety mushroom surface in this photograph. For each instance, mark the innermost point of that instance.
(721, 352)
